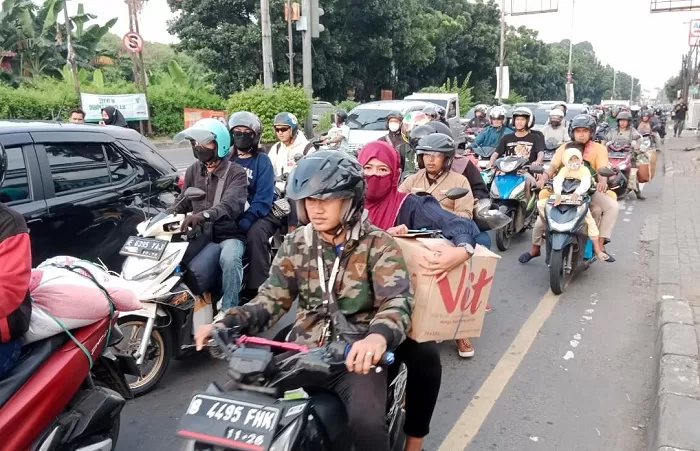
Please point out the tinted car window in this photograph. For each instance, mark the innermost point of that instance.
(573, 112)
(77, 166)
(452, 110)
(16, 185)
(119, 168)
(368, 119)
(541, 116)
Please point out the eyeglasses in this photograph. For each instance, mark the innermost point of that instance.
(281, 129)
(239, 134)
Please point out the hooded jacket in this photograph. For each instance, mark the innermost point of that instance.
(282, 156)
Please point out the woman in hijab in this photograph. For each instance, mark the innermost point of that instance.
(112, 116)
(396, 213)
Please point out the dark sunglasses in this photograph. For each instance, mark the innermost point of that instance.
(281, 129)
(238, 134)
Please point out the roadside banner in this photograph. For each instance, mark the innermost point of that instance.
(132, 106)
(192, 115)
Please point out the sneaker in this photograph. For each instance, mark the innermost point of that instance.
(465, 348)
(488, 307)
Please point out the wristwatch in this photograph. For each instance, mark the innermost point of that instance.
(468, 247)
(206, 215)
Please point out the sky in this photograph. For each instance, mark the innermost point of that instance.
(624, 33)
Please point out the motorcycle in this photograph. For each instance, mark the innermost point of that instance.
(482, 155)
(65, 396)
(601, 131)
(263, 407)
(569, 250)
(508, 194)
(622, 161)
(469, 135)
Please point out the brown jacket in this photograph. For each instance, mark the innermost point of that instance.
(418, 182)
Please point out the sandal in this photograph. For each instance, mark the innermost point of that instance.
(606, 258)
(526, 257)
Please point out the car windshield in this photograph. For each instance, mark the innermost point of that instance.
(368, 119)
(442, 103)
(541, 116)
(573, 112)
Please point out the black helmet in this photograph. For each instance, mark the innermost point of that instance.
(398, 115)
(442, 112)
(624, 116)
(581, 121)
(658, 111)
(328, 175)
(524, 112)
(288, 119)
(436, 142)
(341, 114)
(439, 127)
(428, 129)
(432, 112)
(249, 120)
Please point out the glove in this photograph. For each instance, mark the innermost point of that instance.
(191, 221)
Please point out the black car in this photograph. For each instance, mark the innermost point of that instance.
(82, 188)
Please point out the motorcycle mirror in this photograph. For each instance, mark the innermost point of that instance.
(606, 172)
(456, 193)
(193, 193)
(537, 169)
(298, 156)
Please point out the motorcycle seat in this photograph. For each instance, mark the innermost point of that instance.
(32, 357)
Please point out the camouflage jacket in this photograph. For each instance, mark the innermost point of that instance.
(373, 288)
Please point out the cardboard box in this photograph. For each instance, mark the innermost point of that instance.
(455, 306)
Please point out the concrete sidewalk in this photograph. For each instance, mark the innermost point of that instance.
(675, 419)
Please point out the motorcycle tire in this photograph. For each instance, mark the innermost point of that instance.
(505, 234)
(557, 274)
(163, 338)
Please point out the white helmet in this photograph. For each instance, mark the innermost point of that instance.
(635, 108)
(556, 113)
(524, 112)
(498, 112)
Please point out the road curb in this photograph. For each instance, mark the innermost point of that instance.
(166, 145)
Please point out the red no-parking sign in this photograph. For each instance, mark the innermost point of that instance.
(133, 42)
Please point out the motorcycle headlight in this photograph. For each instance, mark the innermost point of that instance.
(568, 225)
(153, 272)
(508, 166)
(284, 441)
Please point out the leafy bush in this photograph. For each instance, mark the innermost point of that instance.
(266, 103)
(168, 101)
(44, 99)
(463, 91)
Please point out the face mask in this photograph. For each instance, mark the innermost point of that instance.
(575, 166)
(203, 154)
(556, 123)
(378, 186)
(243, 142)
(394, 126)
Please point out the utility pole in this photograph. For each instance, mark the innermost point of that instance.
(266, 43)
(502, 52)
(569, 74)
(138, 66)
(290, 38)
(71, 50)
(632, 93)
(612, 97)
(310, 28)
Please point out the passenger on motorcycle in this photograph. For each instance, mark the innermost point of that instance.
(412, 120)
(16, 268)
(395, 137)
(338, 136)
(374, 293)
(522, 143)
(602, 205)
(257, 222)
(432, 112)
(491, 135)
(574, 168)
(435, 155)
(479, 120)
(555, 130)
(635, 112)
(398, 212)
(210, 143)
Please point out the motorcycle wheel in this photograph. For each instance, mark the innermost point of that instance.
(159, 353)
(504, 234)
(557, 274)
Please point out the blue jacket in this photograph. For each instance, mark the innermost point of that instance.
(490, 136)
(261, 188)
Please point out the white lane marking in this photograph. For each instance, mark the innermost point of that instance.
(569, 355)
(469, 422)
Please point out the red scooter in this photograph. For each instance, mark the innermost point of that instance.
(620, 157)
(53, 400)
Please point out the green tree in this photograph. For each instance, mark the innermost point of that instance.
(671, 88)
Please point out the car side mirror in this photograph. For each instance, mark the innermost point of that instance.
(298, 156)
(606, 172)
(537, 169)
(193, 193)
(456, 193)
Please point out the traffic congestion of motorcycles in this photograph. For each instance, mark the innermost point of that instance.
(520, 169)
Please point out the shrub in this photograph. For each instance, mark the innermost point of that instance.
(43, 99)
(168, 101)
(266, 103)
(463, 91)
(325, 121)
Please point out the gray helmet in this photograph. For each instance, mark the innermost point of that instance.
(246, 119)
(436, 142)
(624, 116)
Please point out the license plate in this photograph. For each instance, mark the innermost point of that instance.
(150, 248)
(238, 425)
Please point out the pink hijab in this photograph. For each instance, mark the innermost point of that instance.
(383, 199)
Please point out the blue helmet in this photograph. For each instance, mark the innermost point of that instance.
(205, 131)
(288, 119)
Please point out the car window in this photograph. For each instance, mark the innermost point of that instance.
(441, 102)
(368, 119)
(15, 189)
(76, 166)
(572, 113)
(119, 168)
(541, 116)
(452, 110)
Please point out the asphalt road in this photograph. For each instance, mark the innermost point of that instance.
(550, 373)
(180, 157)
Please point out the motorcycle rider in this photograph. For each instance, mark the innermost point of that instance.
(432, 112)
(623, 131)
(442, 113)
(555, 130)
(256, 221)
(398, 212)
(660, 117)
(596, 155)
(479, 120)
(412, 120)
(329, 189)
(635, 112)
(210, 143)
(491, 135)
(338, 136)
(436, 152)
(395, 137)
(291, 142)
(612, 118)
(522, 143)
